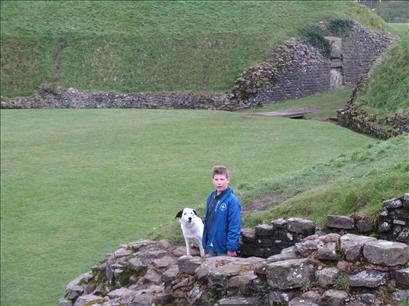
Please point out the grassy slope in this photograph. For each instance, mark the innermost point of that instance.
(354, 183)
(387, 88)
(77, 183)
(133, 46)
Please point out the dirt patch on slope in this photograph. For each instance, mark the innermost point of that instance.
(261, 204)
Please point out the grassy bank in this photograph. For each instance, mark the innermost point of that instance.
(132, 46)
(77, 183)
(386, 90)
(355, 183)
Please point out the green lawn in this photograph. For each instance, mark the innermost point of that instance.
(77, 183)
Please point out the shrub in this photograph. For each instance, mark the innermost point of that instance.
(314, 36)
(339, 27)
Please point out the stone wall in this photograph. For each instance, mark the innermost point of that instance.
(359, 49)
(264, 240)
(320, 270)
(297, 70)
(328, 269)
(48, 97)
(294, 70)
(361, 121)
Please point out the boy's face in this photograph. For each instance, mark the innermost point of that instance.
(220, 182)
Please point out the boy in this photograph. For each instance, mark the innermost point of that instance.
(221, 233)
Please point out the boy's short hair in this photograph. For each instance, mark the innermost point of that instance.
(221, 170)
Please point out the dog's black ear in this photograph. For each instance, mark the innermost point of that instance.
(195, 212)
(179, 215)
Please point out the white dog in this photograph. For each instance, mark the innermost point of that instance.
(192, 229)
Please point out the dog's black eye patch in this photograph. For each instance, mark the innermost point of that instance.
(179, 214)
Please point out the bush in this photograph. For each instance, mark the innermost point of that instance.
(339, 27)
(314, 36)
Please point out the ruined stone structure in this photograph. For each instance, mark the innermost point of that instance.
(48, 97)
(321, 269)
(294, 70)
(359, 120)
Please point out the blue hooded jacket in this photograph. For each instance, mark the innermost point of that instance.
(225, 231)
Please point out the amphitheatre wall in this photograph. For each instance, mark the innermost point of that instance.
(294, 70)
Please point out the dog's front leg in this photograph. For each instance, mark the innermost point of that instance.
(202, 252)
(187, 247)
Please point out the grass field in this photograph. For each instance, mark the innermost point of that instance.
(77, 183)
(132, 46)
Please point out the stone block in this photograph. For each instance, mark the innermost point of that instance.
(367, 299)
(74, 289)
(307, 247)
(238, 301)
(328, 251)
(312, 296)
(170, 274)
(280, 297)
(289, 274)
(364, 225)
(89, 299)
(384, 227)
(326, 276)
(120, 293)
(242, 282)
(64, 302)
(340, 222)
(392, 203)
(352, 244)
(217, 270)
(248, 235)
(368, 279)
(386, 253)
(153, 276)
(299, 301)
(279, 224)
(263, 230)
(136, 265)
(288, 253)
(333, 297)
(188, 264)
(402, 278)
(301, 226)
(403, 236)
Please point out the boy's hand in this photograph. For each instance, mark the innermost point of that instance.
(231, 254)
